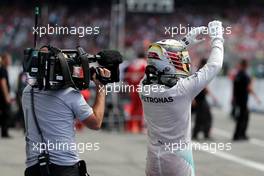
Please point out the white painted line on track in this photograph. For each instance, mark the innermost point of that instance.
(257, 142)
(239, 160)
(223, 133)
(230, 157)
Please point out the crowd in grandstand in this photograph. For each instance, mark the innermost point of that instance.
(246, 39)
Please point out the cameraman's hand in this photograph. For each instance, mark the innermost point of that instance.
(104, 73)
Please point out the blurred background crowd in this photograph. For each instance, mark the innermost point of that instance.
(246, 22)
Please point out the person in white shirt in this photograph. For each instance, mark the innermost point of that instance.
(167, 107)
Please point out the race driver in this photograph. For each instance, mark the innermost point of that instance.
(167, 108)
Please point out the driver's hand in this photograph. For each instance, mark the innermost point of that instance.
(216, 30)
(191, 38)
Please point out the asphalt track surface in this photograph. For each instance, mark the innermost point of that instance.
(124, 154)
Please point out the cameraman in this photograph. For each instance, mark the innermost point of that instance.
(55, 112)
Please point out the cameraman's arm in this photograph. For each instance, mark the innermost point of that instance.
(95, 120)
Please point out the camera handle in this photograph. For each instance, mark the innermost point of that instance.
(85, 65)
(66, 71)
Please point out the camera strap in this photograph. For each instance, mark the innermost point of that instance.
(34, 115)
(43, 158)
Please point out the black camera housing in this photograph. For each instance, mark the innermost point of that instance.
(53, 68)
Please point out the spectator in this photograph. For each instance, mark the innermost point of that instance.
(5, 98)
(21, 84)
(203, 119)
(134, 73)
(242, 88)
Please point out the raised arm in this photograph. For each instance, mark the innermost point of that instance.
(198, 81)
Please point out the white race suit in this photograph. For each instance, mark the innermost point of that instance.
(167, 114)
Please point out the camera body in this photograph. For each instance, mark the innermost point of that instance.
(52, 68)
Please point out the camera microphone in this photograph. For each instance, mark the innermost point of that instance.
(110, 59)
